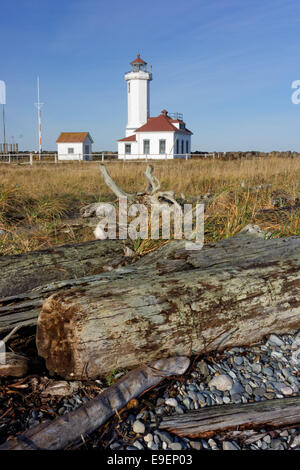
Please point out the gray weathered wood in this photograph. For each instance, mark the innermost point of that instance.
(64, 430)
(24, 272)
(207, 422)
(173, 302)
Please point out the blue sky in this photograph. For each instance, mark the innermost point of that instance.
(227, 65)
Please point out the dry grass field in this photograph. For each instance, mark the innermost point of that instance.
(36, 202)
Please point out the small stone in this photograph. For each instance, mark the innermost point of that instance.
(212, 443)
(202, 366)
(237, 388)
(196, 445)
(138, 427)
(171, 402)
(276, 444)
(148, 437)
(164, 436)
(179, 410)
(187, 403)
(115, 445)
(275, 340)
(175, 446)
(256, 367)
(296, 442)
(238, 360)
(227, 445)
(286, 391)
(138, 445)
(160, 401)
(226, 400)
(221, 382)
(267, 371)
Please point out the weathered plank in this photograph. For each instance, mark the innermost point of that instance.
(207, 422)
(173, 302)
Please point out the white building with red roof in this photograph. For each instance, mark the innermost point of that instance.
(161, 137)
(74, 146)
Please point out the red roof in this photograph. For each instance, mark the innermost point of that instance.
(138, 60)
(72, 137)
(131, 138)
(162, 123)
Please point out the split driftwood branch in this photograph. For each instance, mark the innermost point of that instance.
(207, 422)
(173, 301)
(64, 430)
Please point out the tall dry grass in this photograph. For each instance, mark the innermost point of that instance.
(38, 198)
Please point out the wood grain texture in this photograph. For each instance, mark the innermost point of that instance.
(173, 302)
(207, 422)
(22, 273)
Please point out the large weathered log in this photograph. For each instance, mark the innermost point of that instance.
(22, 273)
(207, 422)
(64, 430)
(173, 302)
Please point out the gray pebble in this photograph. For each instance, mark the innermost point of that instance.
(138, 427)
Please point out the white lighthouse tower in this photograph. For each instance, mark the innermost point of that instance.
(160, 137)
(138, 92)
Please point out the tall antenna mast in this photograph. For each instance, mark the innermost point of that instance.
(3, 102)
(38, 106)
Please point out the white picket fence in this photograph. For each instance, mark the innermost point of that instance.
(34, 158)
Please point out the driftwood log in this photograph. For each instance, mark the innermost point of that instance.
(28, 279)
(207, 422)
(22, 273)
(62, 431)
(173, 301)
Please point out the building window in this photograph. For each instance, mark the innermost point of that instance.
(86, 149)
(177, 146)
(182, 146)
(182, 125)
(70, 150)
(187, 146)
(128, 148)
(128, 87)
(162, 146)
(146, 147)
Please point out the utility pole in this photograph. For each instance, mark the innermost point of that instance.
(38, 106)
(3, 102)
(4, 136)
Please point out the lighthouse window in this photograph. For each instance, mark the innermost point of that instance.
(162, 146)
(146, 146)
(128, 148)
(187, 146)
(128, 87)
(182, 146)
(177, 147)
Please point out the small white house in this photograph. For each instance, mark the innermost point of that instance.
(161, 137)
(74, 146)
